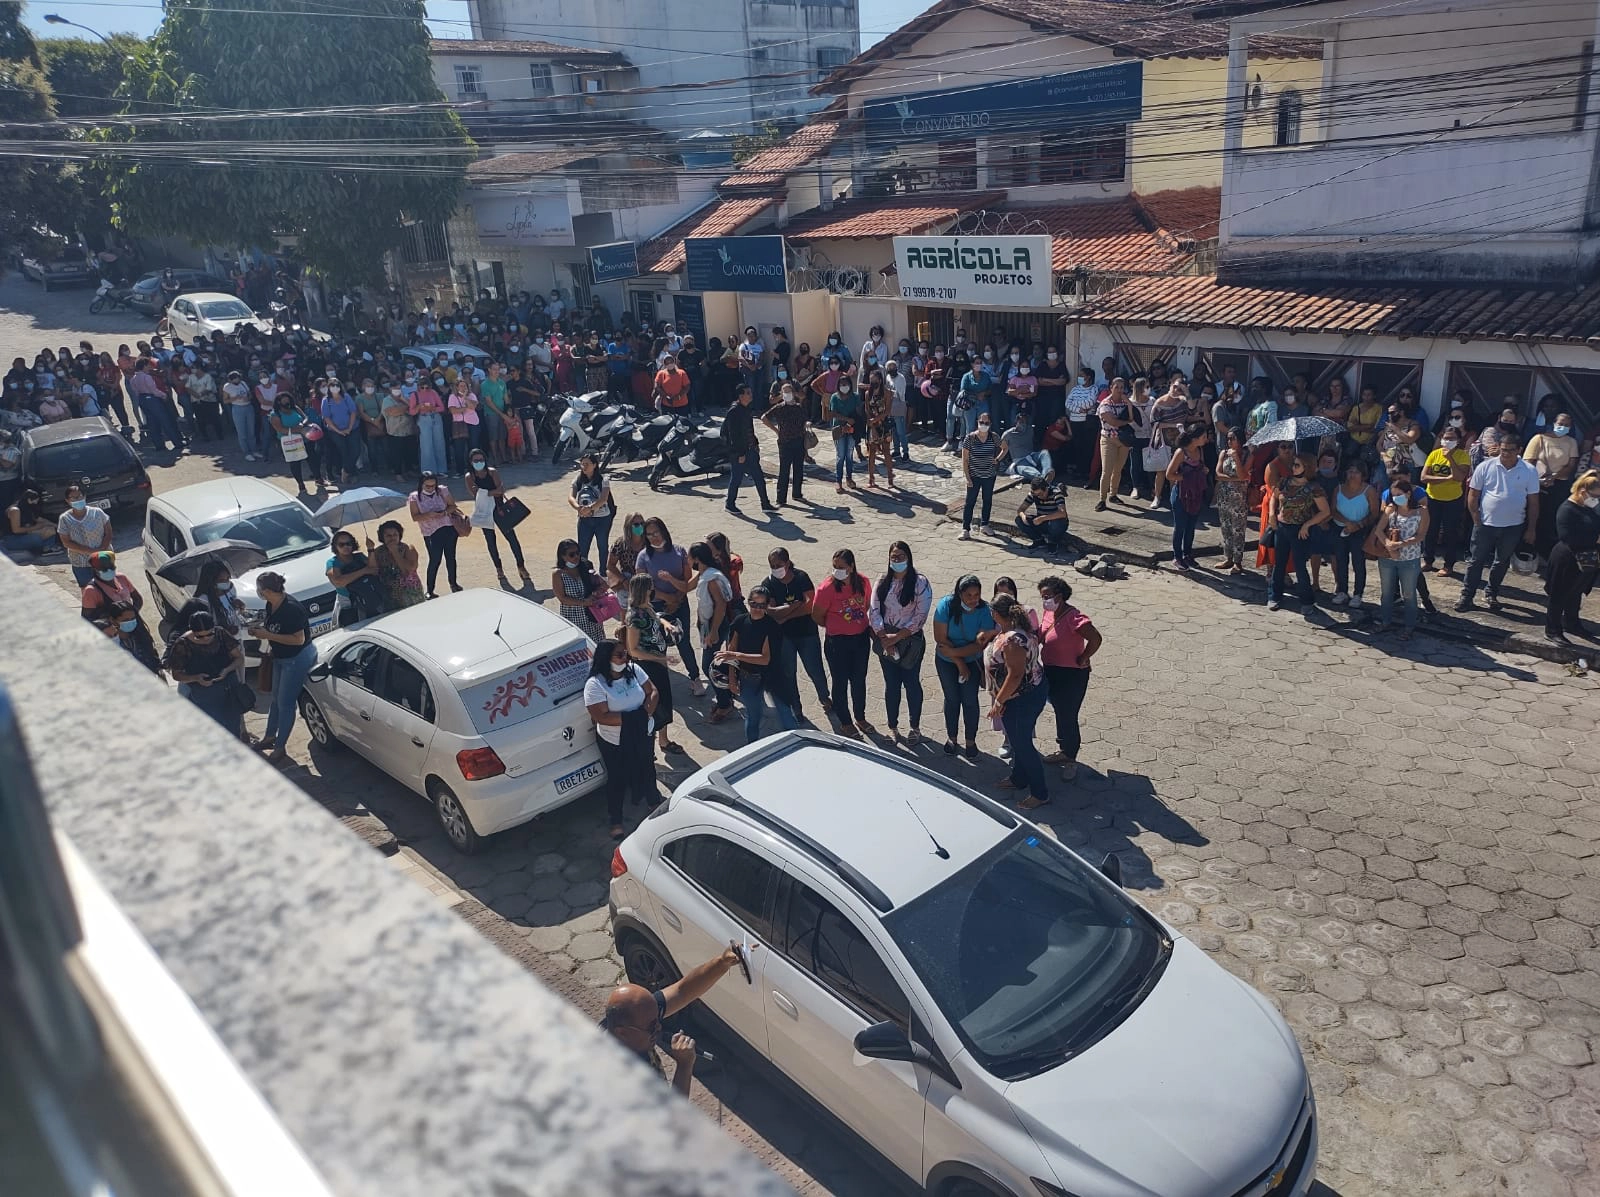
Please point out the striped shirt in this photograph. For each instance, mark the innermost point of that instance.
(981, 454)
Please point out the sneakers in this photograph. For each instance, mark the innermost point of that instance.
(1355, 603)
(697, 688)
(1155, 504)
(1495, 604)
(1272, 604)
(988, 531)
(966, 534)
(1100, 506)
(1057, 758)
(1464, 603)
(1340, 599)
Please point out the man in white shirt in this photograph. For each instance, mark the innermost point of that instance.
(1503, 498)
(555, 307)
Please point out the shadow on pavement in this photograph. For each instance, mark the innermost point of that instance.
(1104, 813)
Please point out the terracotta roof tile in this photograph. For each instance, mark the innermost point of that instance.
(769, 168)
(1137, 28)
(529, 49)
(522, 166)
(888, 217)
(1113, 237)
(1191, 213)
(1459, 313)
(721, 218)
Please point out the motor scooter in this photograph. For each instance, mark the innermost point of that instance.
(688, 451)
(111, 295)
(578, 426)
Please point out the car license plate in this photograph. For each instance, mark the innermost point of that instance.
(322, 627)
(102, 504)
(572, 780)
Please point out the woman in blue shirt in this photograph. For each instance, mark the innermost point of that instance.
(962, 627)
(844, 418)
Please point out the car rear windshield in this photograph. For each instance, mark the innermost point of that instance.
(94, 457)
(278, 531)
(529, 690)
(1028, 955)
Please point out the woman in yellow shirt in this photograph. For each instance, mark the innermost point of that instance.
(1445, 473)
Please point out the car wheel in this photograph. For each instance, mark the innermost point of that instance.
(966, 1188)
(453, 818)
(317, 724)
(645, 964)
(163, 610)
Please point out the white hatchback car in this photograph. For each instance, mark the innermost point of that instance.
(990, 1014)
(473, 700)
(196, 315)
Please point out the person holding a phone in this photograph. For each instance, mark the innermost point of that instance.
(634, 1014)
(204, 661)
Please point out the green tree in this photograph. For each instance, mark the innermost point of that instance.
(85, 73)
(232, 167)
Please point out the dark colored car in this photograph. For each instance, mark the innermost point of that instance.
(59, 267)
(145, 295)
(88, 452)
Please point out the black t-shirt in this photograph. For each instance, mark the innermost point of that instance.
(749, 635)
(795, 589)
(290, 617)
(691, 360)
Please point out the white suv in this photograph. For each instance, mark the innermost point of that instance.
(987, 1012)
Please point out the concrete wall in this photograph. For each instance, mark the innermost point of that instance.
(402, 1053)
(504, 76)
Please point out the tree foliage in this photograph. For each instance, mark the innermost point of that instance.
(86, 73)
(223, 172)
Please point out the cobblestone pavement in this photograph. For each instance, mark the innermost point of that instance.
(1401, 848)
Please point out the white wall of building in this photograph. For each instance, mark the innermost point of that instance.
(502, 76)
(673, 43)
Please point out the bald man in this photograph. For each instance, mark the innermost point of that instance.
(634, 1015)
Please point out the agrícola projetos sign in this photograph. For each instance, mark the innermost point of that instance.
(992, 271)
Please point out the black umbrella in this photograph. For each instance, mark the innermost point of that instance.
(237, 555)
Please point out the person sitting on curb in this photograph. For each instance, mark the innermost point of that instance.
(1043, 516)
(634, 1015)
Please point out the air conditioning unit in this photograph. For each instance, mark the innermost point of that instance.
(849, 280)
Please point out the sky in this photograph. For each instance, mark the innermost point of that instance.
(448, 17)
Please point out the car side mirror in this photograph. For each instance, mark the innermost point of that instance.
(889, 1041)
(318, 673)
(1111, 866)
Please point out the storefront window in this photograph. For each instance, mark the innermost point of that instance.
(1096, 155)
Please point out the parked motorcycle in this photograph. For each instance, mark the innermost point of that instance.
(110, 295)
(641, 441)
(689, 452)
(579, 424)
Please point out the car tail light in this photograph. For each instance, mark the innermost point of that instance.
(142, 484)
(476, 764)
(618, 865)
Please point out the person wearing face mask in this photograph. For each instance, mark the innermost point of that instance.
(435, 512)
(1553, 453)
(834, 353)
(1054, 379)
(790, 594)
(621, 699)
(787, 419)
(873, 350)
(1574, 560)
(898, 613)
(203, 660)
(84, 532)
(106, 588)
(216, 595)
(1298, 508)
(962, 627)
(285, 629)
(579, 589)
(1022, 389)
(981, 457)
(427, 408)
(1487, 446)
(1445, 475)
(1396, 541)
(752, 647)
(969, 401)
(842, 410)
(1503, 500)
(1068, 639)
(123, 624)
(841, 608)
(667, 565)
(399, 430)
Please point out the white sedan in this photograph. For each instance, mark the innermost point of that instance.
(473, 700)
(196, 315)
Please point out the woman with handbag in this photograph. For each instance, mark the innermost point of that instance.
(292, 427)
(490, 511)
(841, 607)
(650, 640)
(1167, 417)
(1117, 437)
(1187, 473)
(440, 521)
(1396, 542)
(1574, 559)
(1016, 683)
(898, 616)
(621, 700)
(579, 590)
(1298, 510)
(204, 661)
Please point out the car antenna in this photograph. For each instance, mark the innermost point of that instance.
(938, 848)
(497, 634)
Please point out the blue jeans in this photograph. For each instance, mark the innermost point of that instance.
(969, 418)
(1183, 526)
(1398, 578)
(1350, 559)
(158, 422)
(751, 465)
(288, 676)
(844, 459)
(244, 426)
(341, 450)
(430, 428)
(753, 693)
(30, 542)
(1048, 534)
(896, 679)
(1286, 542)
(960, 697)
(595, 529)
(1490, 544)
(978, 486)
(902, 446)
(795, 652)
(1019, 718)
(82, 575)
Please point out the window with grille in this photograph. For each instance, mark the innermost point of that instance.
(542, 78)
(1290, 107)
(469, 81)
(638, 189)
(1098, 155)
(829, 61)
